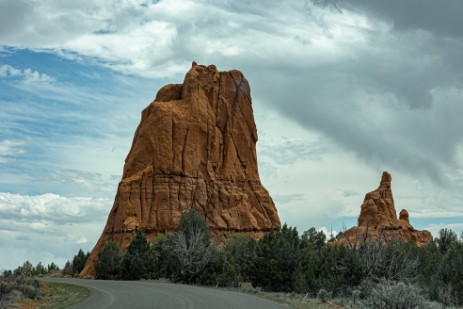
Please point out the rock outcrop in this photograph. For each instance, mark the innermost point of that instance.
(195, 148)
(378, 219)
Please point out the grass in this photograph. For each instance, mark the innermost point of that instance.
(57, 296)
(296, 301)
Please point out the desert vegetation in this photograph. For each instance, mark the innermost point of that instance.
(379, 274)
(22, 284)
(14, 290)
(376, 274)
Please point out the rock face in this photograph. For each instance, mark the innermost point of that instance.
(378, 218)
(195, 148)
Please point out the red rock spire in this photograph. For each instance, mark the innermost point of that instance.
(195, 148)
(378, 218)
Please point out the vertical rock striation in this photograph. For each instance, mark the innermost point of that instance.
(195, 148)
(378, 219)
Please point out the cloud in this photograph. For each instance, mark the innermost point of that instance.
(288, 198)
(27, 76)
(443, 18)
(349, 88)
(363, 75)
(68, 129)
(10, 149)
(455, 227)
(292, 149)
(51, 208)
(32, 226)
(329, 232)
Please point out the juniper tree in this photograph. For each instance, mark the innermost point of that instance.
(109, 263)
(138, 261)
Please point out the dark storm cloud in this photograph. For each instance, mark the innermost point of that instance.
(440, 17)
(372, 118)
(13, 15)
(380, 78)
(392, 98)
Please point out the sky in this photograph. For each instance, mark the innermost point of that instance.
(342, 91)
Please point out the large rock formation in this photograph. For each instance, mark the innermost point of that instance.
(378, 219)
(195, 148)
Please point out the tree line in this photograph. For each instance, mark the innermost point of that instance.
(373, 274)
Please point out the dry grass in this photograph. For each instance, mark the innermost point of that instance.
(57, 296)
(296, 301)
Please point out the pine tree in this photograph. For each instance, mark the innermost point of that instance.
(52, 267)
(79, 260)
(40, 269)
(68, 269)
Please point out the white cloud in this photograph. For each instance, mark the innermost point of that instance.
(8, 149)
(367, 97)
(51, 208)
(455, 227)
(329, 232)
(33, 226)
(27, 76)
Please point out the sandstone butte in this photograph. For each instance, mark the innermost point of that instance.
(378, 219)
(195, 148)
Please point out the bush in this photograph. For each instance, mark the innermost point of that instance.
(238, 254)
(278, 254)
(324, 295)
(165, 259)
(30, 291)
(14, 289)
(450, 276)
(108, 266)
(6, 286)
(138, 262)
(26, 270)
(338, 270)
(395, 295)
(192, 247)
(447, 238)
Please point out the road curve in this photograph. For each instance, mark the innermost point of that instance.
(141, 294)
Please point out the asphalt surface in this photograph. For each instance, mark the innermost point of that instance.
(140, 294)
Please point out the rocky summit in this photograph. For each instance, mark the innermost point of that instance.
(378, 220)
(195, 148)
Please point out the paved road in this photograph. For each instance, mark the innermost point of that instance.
(139, 294)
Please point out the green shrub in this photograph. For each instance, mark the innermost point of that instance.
(165, 258)
(138, 261)
(108, 266)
